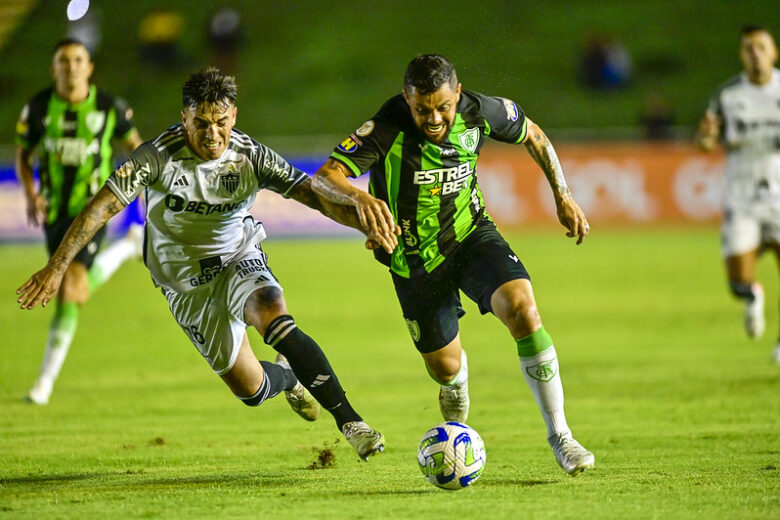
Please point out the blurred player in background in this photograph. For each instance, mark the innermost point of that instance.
(745, 114)
(422, 148)
(73, 122)
(203, 250)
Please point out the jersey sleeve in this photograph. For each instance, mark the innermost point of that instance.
(141, 169)
(28, 132)
(124, 118)
(505, 121)
(274, 173)
(366, 145)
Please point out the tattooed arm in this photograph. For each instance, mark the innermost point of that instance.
(44, 284)
(569, 212)
(343, 213)
(330, 183)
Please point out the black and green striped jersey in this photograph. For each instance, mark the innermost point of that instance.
(75, 157)
(431, 189)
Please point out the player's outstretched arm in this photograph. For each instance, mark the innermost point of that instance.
(342, 213)
(36, 204)
(330, 183)
(569, 212)
(708, 131)
(42, 285)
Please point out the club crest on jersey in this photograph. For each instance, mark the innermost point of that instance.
(511, 109)
(229, 178)
(348, 145)
(95, 121)
(469, 139)
(229, 182)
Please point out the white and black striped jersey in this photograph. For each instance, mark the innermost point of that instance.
(195, 208)
(751, 133)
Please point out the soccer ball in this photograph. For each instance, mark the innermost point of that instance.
(451, 455)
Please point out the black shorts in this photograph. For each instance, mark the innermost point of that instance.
(431, 303)
(55, 232)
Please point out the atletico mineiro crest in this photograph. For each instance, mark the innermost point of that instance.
(229, 179)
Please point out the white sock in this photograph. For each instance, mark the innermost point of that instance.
(542, 375)
(57, 346)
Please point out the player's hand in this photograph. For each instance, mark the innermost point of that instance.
(709, 130)
(375, 241)
(572, 218)
(39, 288)
(377, 220)
(36, 209)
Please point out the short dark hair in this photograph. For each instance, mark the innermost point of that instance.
(69, 41)
(428, 72)
(209, 86)
(751, 28)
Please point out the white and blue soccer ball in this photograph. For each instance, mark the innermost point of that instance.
(451, 455)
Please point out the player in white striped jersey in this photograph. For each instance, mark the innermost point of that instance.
(203, 250)
(745, 114)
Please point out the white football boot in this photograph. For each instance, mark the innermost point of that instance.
(776, 353)
(570, 454)
(754, 312)
(366, 440)
(454, 402)
(300, 399)
(41, 391)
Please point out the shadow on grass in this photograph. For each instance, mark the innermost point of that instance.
(518, 483)
(135, 479)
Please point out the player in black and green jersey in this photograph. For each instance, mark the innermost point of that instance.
(422, 149)
(72, 124)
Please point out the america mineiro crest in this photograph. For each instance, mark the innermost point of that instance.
(469, 139)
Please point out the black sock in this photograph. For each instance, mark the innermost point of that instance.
(279, 377)
(311, 367)
(742, 290)
(275, 380)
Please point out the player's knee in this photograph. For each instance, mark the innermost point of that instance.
(521, 314)
(443, 368)
(262, 303)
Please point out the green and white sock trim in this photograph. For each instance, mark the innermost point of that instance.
(534, 343)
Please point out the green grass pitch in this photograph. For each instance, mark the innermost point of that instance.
(679, 407)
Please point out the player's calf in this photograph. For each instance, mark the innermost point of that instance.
(311, 367)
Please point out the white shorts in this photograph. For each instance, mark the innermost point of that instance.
(213, 316)
(744, 231)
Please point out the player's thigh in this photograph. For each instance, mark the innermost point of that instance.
(249, 291)
(431, 308)
(486, 262)
(740, 233)
(215, 333)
